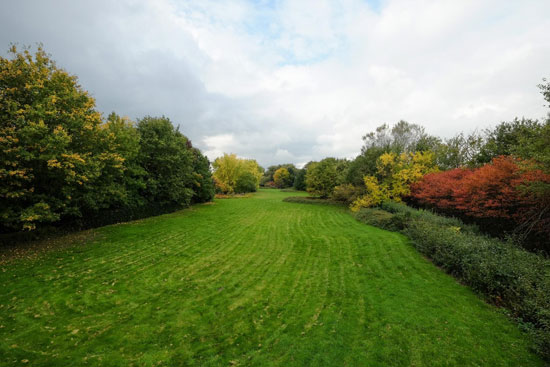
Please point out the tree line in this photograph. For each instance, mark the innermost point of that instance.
(60, 160)
(498, 178)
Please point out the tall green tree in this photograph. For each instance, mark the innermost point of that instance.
(300, 180)
(399, 138)
(53, 162)
(323, 176)
(122, 136)
(459, 151)
(203, 183)
(507, 137)
(166, 156)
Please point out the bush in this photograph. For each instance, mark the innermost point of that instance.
(346, 193)
(323, 176)
(380, 218)
(310, 200)
(508, 195)
(429, 216)
(507, 275)
(246, 182)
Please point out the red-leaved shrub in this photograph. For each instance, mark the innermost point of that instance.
(503, 194)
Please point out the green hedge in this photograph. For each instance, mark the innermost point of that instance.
(311, 200)
(505, 274)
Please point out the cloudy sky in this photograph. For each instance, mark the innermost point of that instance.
(293, 81)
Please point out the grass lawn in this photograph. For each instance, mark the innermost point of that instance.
(247, 282)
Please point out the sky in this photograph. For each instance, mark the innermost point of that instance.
(294, 81)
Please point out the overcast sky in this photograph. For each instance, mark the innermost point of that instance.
(293, 81)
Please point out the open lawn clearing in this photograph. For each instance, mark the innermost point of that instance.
(248, 281)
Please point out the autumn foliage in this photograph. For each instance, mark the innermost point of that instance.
(502, 194)
(395, 174)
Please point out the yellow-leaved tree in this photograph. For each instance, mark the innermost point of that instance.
(57, 158)
(281, 178)
(236, 175)
(395, 174)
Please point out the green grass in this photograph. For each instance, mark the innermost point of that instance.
(251, 282)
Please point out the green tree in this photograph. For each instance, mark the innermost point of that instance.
(402, 137)
(363, 165)
(545, 90)
(268, 175)
(459, 151)
(249, 177)
(123, 137)
(507, 137)
(166, 156)
(323, 176)
(300, 180)
(54, 161)
(203, 183)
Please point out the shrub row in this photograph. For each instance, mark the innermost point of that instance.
(311, 200)
(508, 276)
(506, 195)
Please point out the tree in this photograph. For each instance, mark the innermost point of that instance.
(236, 175)
(300, 180)
(458, 151)
(203, 183)
(363, 165)
(59, 160)
(545, 90)
(226, 172)
(346, 193)
(506, 138)
(166, 156)
(249, 177)
(53, 162)
(402, 137)
(395, 174)
(375, 194)
(268, 176)
(323, 176)
(123, 136)
(281, 178)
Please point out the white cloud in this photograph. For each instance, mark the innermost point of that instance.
(216, 145)
(297, 80)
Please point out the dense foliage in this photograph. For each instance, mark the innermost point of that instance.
(323, 176)
(281, 178)
(395, 173)
(507, 275)
(300, 180)
(59, 160)
(500, 193)
(272, 176)
(236, 175)
(164, 154)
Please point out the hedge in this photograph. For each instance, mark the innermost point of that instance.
(507, 275)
